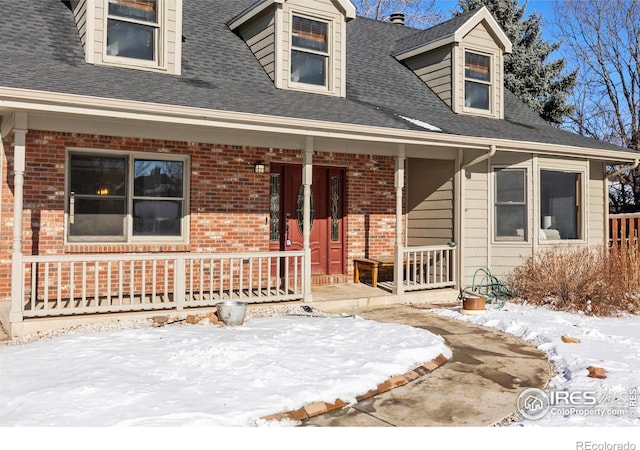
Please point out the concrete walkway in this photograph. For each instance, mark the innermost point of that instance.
(477, 387)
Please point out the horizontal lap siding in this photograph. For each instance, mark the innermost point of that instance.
(475, 220)
(597, 204)
(434, 69)
(430, 202)
(80, 15)
(259, 34)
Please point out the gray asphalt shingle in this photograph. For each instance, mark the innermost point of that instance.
(40, 50)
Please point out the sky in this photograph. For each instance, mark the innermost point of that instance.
(198, 383)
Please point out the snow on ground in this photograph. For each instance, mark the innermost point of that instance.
(203, 375)
(610, 343)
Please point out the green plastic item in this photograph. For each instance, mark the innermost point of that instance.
(489, 286)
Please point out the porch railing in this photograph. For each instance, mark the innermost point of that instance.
(623, 230)
(428, 267)
(84, 284)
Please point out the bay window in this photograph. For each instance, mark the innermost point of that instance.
(124, 198)
(133, 29)
(510, 204)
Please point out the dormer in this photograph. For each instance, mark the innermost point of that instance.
(138, 34)
(301, 44)
(461, 60)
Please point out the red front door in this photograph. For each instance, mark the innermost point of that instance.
(327, 225)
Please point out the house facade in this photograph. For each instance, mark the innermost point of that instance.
(167, 155)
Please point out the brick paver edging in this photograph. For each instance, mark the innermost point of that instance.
(318, 408)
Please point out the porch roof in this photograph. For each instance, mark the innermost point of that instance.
(41, 50)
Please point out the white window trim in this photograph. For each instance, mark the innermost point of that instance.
(129, 238)
(329, 85)
(160, 61)
(491, 112)
(583, 205)
(492, 204)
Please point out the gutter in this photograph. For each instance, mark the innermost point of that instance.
(636, 163)
(492, 151)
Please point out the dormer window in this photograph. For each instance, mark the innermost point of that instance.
(477, 81)
(309, 51)
(132, 29)
(301, 45)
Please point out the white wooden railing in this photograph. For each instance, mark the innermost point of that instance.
(428, 267)
(84, 284)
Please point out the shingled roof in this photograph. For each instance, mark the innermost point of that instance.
(432, 34)
(40, 50)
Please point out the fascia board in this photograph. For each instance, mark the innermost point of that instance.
(425, 48)
(249, 14)
(348, 7)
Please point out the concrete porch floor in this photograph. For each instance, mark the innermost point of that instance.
(328, 298)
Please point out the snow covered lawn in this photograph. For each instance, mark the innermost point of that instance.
(203, 375)
(609, 343)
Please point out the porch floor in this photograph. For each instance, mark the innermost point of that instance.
(342, 297)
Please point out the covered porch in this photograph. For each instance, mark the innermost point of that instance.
(85, 286)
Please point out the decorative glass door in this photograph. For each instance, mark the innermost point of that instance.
(327, 206)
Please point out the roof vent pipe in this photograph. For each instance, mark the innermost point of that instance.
(397, 17)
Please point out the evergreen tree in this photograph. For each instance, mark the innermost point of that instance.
(539, 83)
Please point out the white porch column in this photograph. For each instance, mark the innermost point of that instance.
(17, 283)
(307, 179)
(398, 286)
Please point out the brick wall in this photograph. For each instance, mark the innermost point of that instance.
(228, 201)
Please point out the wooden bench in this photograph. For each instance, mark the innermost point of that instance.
(373, 266)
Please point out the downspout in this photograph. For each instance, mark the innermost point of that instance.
(636, 163)
(492, 151)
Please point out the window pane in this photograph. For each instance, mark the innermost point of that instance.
(308, 68)
(560, 203)
(134, 9)
(477, 66)
(511, 222)
(335, 208)
(476, 95)
(510, 186)
(97, 175)
(158, 178)
(274, 208)
(309, 34)
(97, 217)
(130, 40)
(157, 217)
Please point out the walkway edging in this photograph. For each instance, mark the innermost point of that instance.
(319, 408)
